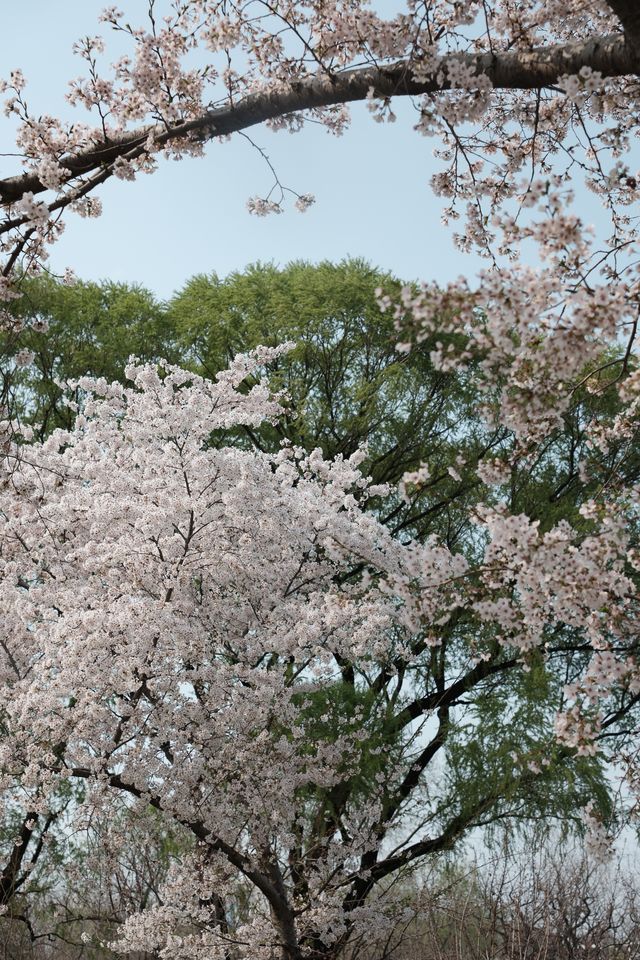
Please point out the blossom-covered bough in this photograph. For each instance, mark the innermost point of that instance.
(230, 636)
(528, 79)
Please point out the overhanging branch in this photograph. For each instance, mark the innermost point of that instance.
(533, 69)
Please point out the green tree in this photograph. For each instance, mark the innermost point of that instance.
(76, 330)
(347, 383)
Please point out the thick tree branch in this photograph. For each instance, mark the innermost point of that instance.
(447, 698)
(200, 831)
(420, 764)
(513, 70)
(9, 875)
(452, 832)
(628, 13)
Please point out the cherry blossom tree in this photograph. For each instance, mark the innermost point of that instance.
(230, 636)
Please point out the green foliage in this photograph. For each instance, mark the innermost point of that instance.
(343, 709)
(347, 383)
(89, 328)
(502, 747)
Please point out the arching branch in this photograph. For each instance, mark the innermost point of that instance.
(515, 70)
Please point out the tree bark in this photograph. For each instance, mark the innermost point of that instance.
(628, 13)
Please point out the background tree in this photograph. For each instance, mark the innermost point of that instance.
(69, 330)
(530, 902)
(348, 386)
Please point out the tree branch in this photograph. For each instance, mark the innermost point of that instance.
(628, 13)
(9, 875)
(514, 70)
(448, 697)
(199, 830)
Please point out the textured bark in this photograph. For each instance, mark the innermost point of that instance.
(628, 13)
(11, 870)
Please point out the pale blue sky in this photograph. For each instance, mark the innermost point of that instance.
(373, 198)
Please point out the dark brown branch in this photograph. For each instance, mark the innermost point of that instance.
(9, 875)
(447, 698)
(420, 764)
(628, 13)
(199, 830)
(457, 826)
